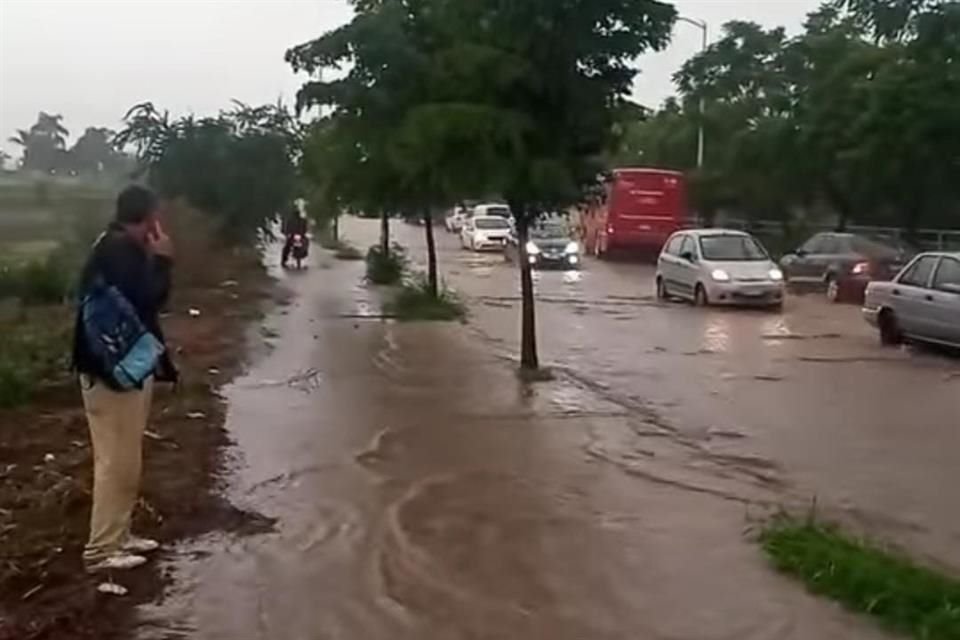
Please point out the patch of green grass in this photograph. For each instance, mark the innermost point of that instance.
(386, 268)
(35, 349)
(42, 281)
(864, 577)
(414, 301)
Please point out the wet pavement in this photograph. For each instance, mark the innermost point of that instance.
(422, 491)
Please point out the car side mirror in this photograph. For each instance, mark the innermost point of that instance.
(688, 256)
(801, 253)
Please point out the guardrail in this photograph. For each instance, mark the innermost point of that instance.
(924, 239)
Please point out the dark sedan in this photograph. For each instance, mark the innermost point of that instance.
(550, 245)
(843, 264)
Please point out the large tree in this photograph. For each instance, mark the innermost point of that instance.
(519, 98)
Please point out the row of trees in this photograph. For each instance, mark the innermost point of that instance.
(429, 102)
(240, 165)
(44, 149)
(858, 115)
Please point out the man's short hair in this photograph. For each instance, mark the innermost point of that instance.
(135, 204)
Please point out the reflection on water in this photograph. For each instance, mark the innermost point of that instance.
(716, 333)
(572, 277)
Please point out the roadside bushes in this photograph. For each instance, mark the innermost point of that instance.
(35, 348)
(415, 301)
(42, 281)
(386, 268)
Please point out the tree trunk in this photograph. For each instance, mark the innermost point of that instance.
(385, 233)
(432, 278)
(841, 204)
(529, 360)
(336, 229)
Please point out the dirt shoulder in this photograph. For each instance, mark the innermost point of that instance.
(46, 466)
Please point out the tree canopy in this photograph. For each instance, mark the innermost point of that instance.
(433, 101)
(239, 165)
(858, 114)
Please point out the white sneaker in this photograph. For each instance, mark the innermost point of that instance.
(135, 544)
(117, 562)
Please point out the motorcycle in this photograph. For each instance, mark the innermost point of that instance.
(299, 249)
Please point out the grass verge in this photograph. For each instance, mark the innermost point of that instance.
(864, 577)
(414, 301)
(386, 268)
(346, 251)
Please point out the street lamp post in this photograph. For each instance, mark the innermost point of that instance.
(702, 25)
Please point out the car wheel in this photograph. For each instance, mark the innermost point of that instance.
(833, 289)
(662, 289)
(890, 335)
(700, 297)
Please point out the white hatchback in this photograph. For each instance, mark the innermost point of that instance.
(485, 233)
(719, 266)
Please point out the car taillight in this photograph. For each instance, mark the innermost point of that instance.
(860, 269)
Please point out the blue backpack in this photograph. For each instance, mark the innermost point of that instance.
(126, 352)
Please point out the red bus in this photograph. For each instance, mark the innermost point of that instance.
(637, 211)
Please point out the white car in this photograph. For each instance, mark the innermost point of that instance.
(481, 233)
(455, 219)
(718, 266)
(921, 304)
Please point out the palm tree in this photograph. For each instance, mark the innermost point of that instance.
(22, 138)
(50, 126)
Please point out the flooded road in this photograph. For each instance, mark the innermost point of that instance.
(421, 491)
(806, 399)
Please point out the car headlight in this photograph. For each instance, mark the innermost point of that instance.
(573, 247)
(775, 274)
(532, 249)
(720, 275)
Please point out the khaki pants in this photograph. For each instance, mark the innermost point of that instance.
(117, 421)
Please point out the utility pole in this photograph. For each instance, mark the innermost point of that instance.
(702, 25)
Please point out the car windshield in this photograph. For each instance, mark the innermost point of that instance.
(549, 232)
(492, 223)
(500, 212)
(731, 248)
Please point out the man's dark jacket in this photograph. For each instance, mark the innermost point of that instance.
(143, 279)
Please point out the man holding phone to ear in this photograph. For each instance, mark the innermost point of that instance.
(135, 257)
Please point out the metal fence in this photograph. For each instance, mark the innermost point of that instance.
(780, 240)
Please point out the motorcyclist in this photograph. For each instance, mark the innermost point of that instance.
(294, 224)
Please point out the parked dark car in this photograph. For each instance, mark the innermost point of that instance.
(843, 264)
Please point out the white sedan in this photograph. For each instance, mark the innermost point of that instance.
(921, 304)
(481, 233)
(718, 266)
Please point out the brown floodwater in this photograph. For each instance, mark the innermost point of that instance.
(422, 491)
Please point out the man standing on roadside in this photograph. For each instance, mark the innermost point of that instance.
(134, 257)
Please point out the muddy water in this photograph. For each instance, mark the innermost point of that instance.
(421, 491)
(805, 397)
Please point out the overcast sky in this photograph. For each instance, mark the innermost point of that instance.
(90, 60)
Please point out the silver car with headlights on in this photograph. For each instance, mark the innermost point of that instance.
(921, 304)
(719, 266)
